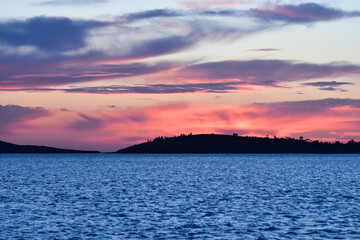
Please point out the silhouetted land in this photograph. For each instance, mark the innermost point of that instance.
(212, 143)
(13, 148)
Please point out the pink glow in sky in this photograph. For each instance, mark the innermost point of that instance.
(107, 79)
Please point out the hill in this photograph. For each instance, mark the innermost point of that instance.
(213, 143)
(13, 148)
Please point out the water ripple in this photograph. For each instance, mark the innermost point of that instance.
(179, 196)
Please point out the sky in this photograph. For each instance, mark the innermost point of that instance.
(106, 74)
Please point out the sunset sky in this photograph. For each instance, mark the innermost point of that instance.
(106, 74)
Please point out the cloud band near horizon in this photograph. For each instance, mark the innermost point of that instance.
(324, 119)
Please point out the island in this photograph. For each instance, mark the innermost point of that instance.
(6, 147)
(216, 143)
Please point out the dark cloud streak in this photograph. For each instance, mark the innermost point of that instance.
(329, 86)
(48, 74)
(326, 84)
(162, 88)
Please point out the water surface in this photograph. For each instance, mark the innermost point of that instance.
(108, 196)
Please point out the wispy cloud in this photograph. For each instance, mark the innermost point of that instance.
(192, 27)
(33, 74)
(86, 122)
(266, 72)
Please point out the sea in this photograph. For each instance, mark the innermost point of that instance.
(179, 196)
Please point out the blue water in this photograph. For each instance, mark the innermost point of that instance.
(109, 196)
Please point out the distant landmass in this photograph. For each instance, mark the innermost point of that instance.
(13, 148)
(213, 143)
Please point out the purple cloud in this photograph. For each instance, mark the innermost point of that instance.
(266, 72)
(329, 86)
(37, 74)
(222, 77)
(302, 13)
(332, 89)
(12, 115)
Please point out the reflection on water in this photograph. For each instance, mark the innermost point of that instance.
(108, 196)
